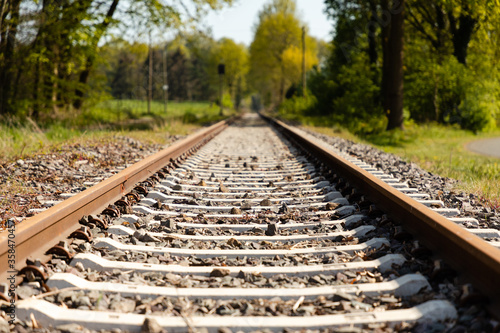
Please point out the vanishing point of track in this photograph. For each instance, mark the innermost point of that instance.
(248, 227)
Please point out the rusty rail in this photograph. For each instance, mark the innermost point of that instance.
(471, 256)
(37, 234)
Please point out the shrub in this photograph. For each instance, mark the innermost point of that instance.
(478, 112)
(349, 94)
(298, 106)
(451, 93)
(190, 117)
(226, 101)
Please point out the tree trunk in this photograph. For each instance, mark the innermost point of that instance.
(461, 35)
(440, 28)
(54, 89)
(304, 81)
(89, 63)
(385, 29)
(282, 84)
(393, 69)
(372, 34)
(35, 114)
(150, 75)
(3, 12)
(7, 69)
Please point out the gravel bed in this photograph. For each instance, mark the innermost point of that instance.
(233, 244)
(385, 229)
(438, 188)
(167, 306)
(275, 261)
(472, 316)
(33, 182)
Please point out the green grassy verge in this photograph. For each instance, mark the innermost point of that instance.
(440, 150)
(103, 122)
(126, 113)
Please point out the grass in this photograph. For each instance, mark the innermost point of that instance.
(127, 112)
(440, 150)
(104, 121)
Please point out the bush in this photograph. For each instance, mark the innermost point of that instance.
(227, 103)
(358, 107)
(298, 106)
(190, 117)
(478, 112)
(349, 94)
(323, 87)
(451, 93)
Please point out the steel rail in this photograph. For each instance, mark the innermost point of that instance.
(34, 236)
(469, 255)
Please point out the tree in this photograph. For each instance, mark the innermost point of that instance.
(459, 39)
(449, 72)
(8, 32)
(353, 20)
(392, 71)
(189, 66)
(99, 31)
(122, 63)
(379, 24)
(443, 21)
(235, 58)
(55, 66)
(276, 42)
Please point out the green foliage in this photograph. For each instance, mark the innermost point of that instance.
(356, 104)
(321, 84)
(395, 137)
(131, 113)
(451, 65)
(192, 74)
(190, 117)
(433, 90)
(59, 132)
(116, 112)
(348, 95)
(451, 93)
(227, 101)
(297, 106)
(276, 51)
(478, 112)
(235, 58)
(49, 49)
(125, 68)
(20, 137)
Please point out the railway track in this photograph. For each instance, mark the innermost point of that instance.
(261, 228)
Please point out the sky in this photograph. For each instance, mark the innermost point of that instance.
(237, 22)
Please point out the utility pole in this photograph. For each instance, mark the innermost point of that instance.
(222, 70)
(165, 80)
(150, 75)
(304, 61)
